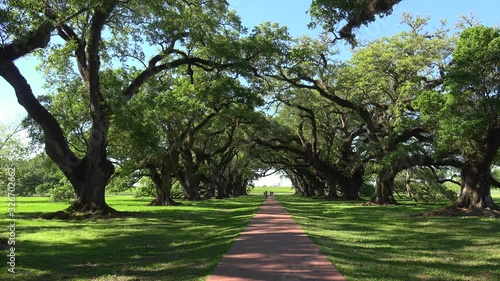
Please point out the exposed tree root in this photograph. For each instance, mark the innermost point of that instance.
(378, 201)
(79, 211)
(169, 202)
(371, 203)
(453, 211)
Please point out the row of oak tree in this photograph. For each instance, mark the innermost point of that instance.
(181, 92)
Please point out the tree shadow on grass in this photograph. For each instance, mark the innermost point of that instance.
(155, 244)
(386, 243)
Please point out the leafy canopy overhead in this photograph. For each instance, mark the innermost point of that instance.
(352, 14)
(470, 105)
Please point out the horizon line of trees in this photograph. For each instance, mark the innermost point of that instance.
(208, 105)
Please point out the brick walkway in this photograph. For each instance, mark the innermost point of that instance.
(274, 248)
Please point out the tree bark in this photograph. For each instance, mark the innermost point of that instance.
(38, 38)
(221, 190)
(476, 176)
(90, 191)
(476, 187)
(163, 185)
(384, 189)
(350, 191)
(191, 189)
(88, 176)
(332, 188)
(190, 183)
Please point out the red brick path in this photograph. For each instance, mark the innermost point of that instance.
(274, 248)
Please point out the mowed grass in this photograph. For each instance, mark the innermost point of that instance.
(149, 243)
(186, 242)
(259, 190)
(386, 243)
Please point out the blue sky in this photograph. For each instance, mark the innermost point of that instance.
(293, 13)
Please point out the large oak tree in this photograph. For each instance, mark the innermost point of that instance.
(92, 36)
(466, 115)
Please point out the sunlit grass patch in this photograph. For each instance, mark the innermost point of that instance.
(386, 243)
(147, 243)
(259, 190)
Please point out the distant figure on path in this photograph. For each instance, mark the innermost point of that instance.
(265, 194)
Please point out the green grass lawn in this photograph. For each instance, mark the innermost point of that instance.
(150, 243)
(259, 190)
(186, 242)
(386, 243)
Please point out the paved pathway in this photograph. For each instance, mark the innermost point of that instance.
(274, 248)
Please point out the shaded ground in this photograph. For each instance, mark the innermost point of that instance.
(452, 211)
(386, 243)
(149, 243)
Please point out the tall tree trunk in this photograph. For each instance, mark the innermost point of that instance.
(192, 188)
(384, 189)
(88, 176)
(189, 179)
(476, 175)
(299, 190)
(332, 188)
(210, 191)
(162, 170)
(221, 190)
(90, 193)
(90, 190)
(190, 184)
(320, 188)
(163, 186)
(476, 187)
(350, 190)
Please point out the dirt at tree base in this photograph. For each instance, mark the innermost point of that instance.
(452, 211)
(371, 203)
(86, 212)
(170, 202)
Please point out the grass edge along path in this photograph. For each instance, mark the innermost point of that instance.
(151, 243)
(274, 247)
(386, 243)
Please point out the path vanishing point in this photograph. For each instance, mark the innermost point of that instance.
(274, 248)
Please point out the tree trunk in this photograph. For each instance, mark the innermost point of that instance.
(90, 189)
(476, 175)
(88, 176)
(192, 191)
(475, 190)
(221, 190)
(384, 189)
(332, 189)
(163, 196)
(476, 187)
(188, 177)
(162, 170)
(98, 169)
(320, 188)
(350, 191)
(296, 184)
(163, 186)
(210, 191)
(190, 185)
